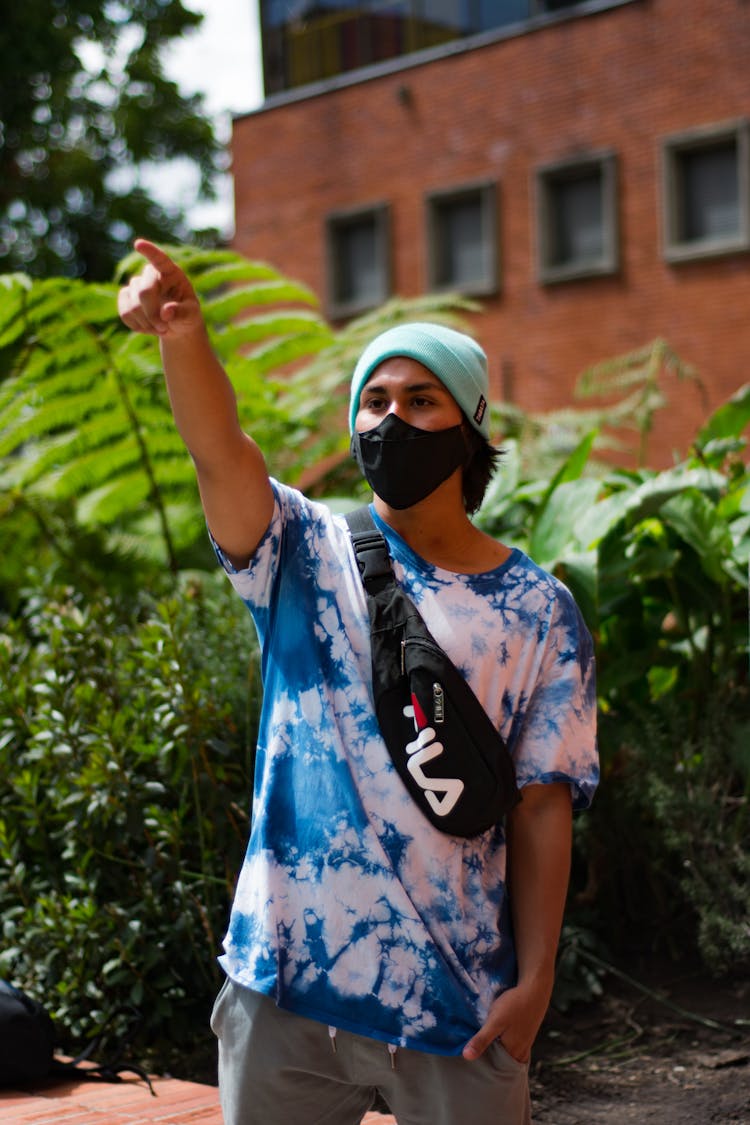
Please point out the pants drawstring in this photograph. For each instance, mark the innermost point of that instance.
(392, 1047)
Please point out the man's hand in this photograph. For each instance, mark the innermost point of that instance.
(232, 476)
(539, 838)
(514, 1018)
(159, 301)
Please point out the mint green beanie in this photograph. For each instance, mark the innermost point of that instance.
(456, 359)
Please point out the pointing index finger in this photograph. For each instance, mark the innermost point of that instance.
(153, 254)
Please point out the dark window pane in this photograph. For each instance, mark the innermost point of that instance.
(576, 220)
(461, 254)
(709, 189)
(358, 272)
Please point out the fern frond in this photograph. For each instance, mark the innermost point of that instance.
(14, 297)
(233, 272)
(87, 471)
(274, 291)
(283, 322)
(278, 354)
(105, 505)
(54, 301)
(59, 413)
(15, 280)
(177, 474)
(632, 370)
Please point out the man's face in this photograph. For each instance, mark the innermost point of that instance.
(408, 389)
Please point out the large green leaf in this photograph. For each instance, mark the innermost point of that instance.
(729, 421)
(648, 497)
(697, 521)
(550, 532)
(556, 528)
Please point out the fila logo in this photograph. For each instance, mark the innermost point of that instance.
(423, 749)
(480, 410)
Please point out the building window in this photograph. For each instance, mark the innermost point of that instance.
(308, 41)
(358, 260)
(462, 240)
(577, 219)
(706, 192)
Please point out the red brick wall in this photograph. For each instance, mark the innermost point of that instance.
(622, 80)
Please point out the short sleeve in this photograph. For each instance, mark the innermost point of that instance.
(558, 737)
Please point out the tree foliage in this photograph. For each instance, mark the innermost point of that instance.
(84, 105)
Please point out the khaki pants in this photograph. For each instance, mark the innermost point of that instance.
(277, 1068)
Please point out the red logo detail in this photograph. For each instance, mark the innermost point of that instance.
(420, 719)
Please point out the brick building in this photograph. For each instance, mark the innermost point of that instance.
(582, 168)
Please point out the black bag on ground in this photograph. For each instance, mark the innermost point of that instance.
(27, 1037)
(447, 751)
(27, 1047)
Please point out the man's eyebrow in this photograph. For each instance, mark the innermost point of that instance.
(411, 388)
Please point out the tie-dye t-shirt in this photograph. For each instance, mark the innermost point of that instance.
(351, 908)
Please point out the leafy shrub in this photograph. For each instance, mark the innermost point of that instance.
(658, 562)
(667, 840)
(123, 804)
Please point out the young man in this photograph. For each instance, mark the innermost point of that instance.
(367, 950)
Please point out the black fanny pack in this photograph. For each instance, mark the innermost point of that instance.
(447, 752)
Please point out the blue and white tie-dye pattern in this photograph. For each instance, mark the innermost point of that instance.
(351, 908)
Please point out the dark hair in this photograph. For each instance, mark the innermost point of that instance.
(481, 462)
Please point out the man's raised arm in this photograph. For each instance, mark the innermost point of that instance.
(232, 475)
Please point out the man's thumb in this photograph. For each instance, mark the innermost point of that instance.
(476, 1047)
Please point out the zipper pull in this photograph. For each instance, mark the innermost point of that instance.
(438, 703)
(403, 656)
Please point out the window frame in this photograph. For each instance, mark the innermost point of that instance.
(341, 308)
(546, 177)
(487, 193)
(676, 247)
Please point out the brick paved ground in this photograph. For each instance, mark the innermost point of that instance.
(121, 1103)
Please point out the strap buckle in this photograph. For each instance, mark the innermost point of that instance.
(372, 555)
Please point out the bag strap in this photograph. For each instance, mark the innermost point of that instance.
(371, 549)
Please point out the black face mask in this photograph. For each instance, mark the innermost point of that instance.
(403, 464)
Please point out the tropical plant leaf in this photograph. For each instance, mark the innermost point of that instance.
(729, 421)
(271, 291)
(562, 505)
(648, 497)
(556, 528)
(83, 410)
(698, 523)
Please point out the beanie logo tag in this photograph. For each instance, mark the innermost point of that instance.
(480, 410)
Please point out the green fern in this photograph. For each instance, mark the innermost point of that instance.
(84, 414)
(636, 380)
(83, 410)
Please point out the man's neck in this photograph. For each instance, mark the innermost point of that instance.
(440, 532)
